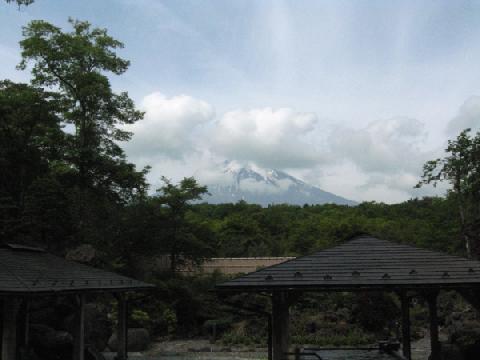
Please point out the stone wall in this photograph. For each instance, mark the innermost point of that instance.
(226, 265)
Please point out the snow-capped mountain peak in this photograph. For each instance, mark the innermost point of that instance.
(262, 186)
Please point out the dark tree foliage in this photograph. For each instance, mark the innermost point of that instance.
(21, 2)
(375, 310)
(75, 64)
(31, 155)
(183, 238)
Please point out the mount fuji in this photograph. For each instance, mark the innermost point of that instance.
(261, 186)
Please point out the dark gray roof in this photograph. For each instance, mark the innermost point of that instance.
(25, 270)
(364, 262)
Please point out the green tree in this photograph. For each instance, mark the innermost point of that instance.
(181, 236)
(31, 147)
(242, 235)
(461, 169)
(76, 65)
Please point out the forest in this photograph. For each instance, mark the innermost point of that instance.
(65, 181)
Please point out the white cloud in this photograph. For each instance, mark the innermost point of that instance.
(169, 126)
(200, 165)
(387, 146)
(268, 137)
(181, 137)
(468, 117)
(387, 158)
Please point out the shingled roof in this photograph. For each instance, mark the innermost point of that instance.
(25, 270)
(364, 262)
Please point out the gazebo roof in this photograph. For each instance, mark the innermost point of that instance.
(365, 263)
(25, 270)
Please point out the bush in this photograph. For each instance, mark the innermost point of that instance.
(375, 311)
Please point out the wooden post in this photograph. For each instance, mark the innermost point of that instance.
(9, 333)
(280, 325)
(406, 345)
(434, 340)
(79, 335)
(214, 333)
(22, 321)
(122, 331)
(270, 343)
(297, 353)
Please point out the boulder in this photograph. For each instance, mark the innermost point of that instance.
(49, 343)
(310, 327)
(465, 335)
(27, 353)
(138, 340)
(467, 338)
(85, 254)
(91, 353)
(451, 352)
(331, 316)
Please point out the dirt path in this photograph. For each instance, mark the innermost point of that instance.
(202, 349)
(421, 348)
(198, 346)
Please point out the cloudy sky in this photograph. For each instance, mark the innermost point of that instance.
(351, 96)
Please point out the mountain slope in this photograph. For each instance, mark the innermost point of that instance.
(267, 186)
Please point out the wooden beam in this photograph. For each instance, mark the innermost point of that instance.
(9, 333)
(270, 343)
(406, 335)
(122, 330)
(23, 331)
(434, 339)
(280, 325)
(79, 336)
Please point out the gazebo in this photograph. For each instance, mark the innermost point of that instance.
(27, 273)
(363, 263)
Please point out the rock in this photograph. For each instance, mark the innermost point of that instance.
(465, 335)
(91, 353)
(451, 352)
(49, 343)
(331, 316)
(48, 337)
(467, 339)
(343, 313)
(204, 349)
(138, 340)
(310, 327)
(25, 353)
(85, 254)
(459, 320)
